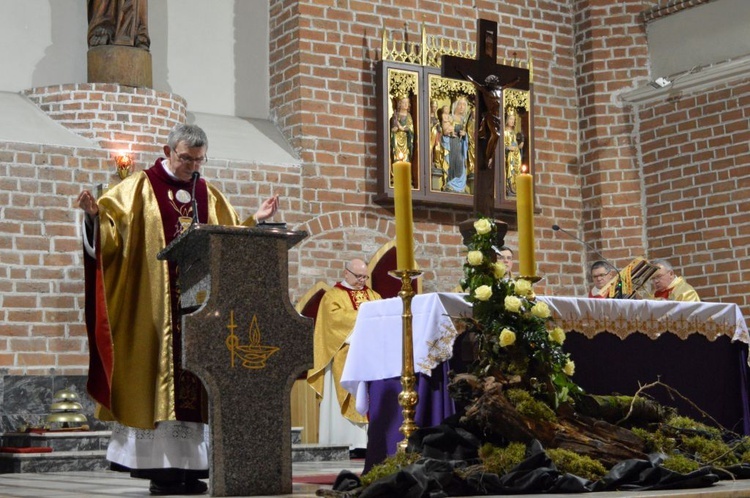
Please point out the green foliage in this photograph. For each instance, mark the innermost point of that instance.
(501, 460)
(656, 442)
(681, 464)
(683, 438)
(709, 451)
(530, 407)
(389, 466)
(580, 465)
(682, 424)
(513, 329)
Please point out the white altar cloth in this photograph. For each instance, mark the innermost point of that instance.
(375, 341)
(623, 317)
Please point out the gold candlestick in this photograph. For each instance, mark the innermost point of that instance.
(408, 398)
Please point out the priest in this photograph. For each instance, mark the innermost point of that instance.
(133, 314)
(601, 274)
(340, 423)
(667, 285)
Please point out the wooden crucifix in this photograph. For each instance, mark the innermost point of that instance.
(489, 79)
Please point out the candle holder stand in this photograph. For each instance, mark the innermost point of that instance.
(408, 397)
(533, 280)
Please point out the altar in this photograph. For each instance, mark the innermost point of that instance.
(700, 349)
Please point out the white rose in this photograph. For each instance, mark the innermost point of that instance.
(541, 310)
(482, 226)
(507, 337)
(522, 287)
(557, 335)
(499, 269)
(570, 368)
(512, 304)
(475, 258)
(483, 293)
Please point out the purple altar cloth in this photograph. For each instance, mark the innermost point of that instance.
(386, 415)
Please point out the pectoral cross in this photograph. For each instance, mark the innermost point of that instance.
(489, 105)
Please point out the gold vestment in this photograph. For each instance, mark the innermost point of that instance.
(132, 345)
(680, 290)
(335, 321)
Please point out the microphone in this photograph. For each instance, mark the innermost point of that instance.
(196, 177)
(618, 292)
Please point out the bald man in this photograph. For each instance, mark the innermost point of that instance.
(667, 285)
(340, 423)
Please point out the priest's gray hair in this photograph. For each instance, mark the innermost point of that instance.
(192, 135)
(663, 263)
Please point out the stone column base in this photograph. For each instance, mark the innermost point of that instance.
(129, 66)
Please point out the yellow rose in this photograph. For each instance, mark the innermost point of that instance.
(475, 258)
(541, 310)
(483, 292)
(512, 304)
(570, 368)
(498, 270)
(522, 287)
(482, 226)
(507, 337)
(557, 335)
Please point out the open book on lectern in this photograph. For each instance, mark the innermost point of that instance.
(629, 280)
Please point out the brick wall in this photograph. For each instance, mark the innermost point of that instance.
(40, 268)
(611, 56)
(696, 171)
(117, 117)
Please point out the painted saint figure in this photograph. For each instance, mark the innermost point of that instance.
(514, 141)
(402, 131)
(463, 118)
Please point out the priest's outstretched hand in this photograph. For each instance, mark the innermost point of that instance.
(87, 202)
(267, 209)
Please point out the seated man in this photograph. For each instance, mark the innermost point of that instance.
(601, 273)
(668, 286)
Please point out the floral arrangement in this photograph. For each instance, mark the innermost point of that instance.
(516, 340)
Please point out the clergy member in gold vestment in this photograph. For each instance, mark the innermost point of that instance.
(340, 423)
(133, 314)
(669, 286)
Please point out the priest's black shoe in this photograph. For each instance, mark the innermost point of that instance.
(195, 487)
(162, 488)
(166, 487)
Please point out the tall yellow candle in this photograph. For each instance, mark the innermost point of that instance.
(404, 217)
(525, 213)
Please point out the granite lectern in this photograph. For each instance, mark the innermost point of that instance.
(247, 344)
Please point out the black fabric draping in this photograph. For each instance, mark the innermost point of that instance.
(449, 451)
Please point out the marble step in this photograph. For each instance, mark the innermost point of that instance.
(86, 450)
(68, 461)
(319, 452)
(59, 441)
(55, 461)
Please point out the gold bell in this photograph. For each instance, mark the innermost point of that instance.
(66, 410)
